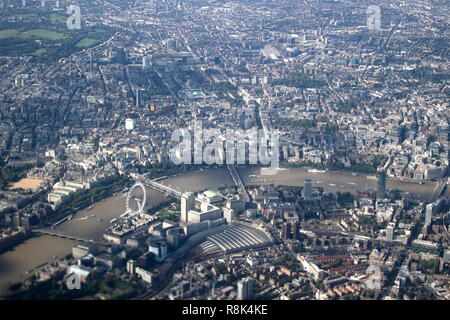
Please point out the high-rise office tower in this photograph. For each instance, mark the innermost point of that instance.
(131, 266)
(245, 288)
(381, 188)
(307, 192)
(187, 203)
(228, 214)
(129, 124)
(295, 229)
(286, 230)
(429, 213)
(390, 231)
(159, 248)
(138, 97)
(290, 230)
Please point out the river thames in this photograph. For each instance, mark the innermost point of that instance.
(91, 224)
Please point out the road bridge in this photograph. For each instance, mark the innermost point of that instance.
(62, 235)
(438, 190)
(238, 181)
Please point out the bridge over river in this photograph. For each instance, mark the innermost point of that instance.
(65, 236)
(156, 185)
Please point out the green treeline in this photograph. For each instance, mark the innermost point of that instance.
(52, 289)
(11, 174)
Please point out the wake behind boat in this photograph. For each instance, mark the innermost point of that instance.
(316, 171)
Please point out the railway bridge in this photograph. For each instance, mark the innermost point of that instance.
(156, 185)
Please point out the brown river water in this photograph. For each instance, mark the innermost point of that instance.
(16, 264)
